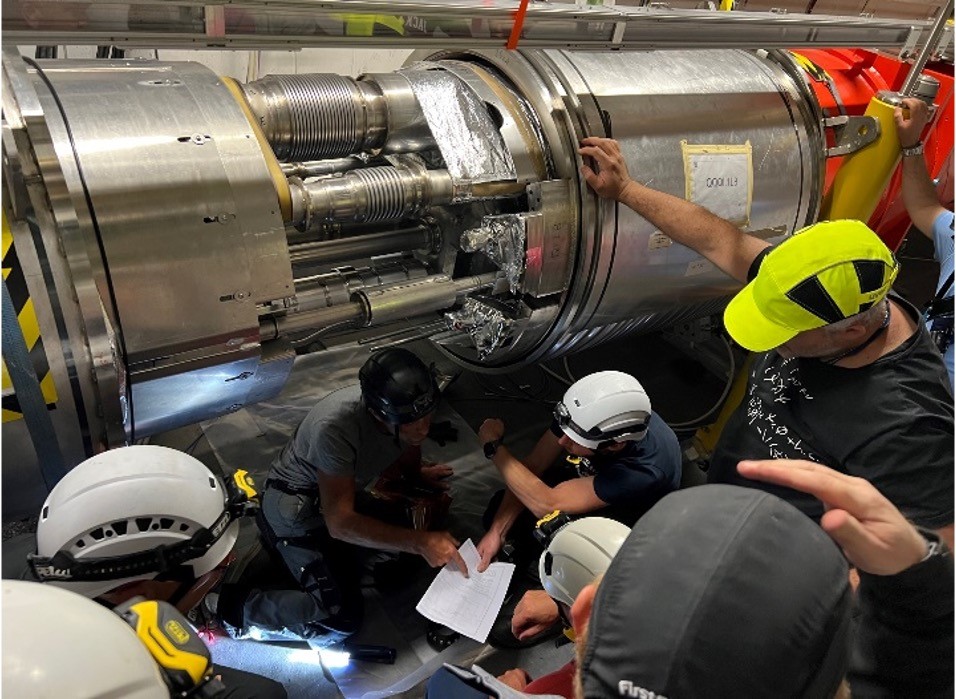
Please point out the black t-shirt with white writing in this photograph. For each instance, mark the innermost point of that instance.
(890, 422)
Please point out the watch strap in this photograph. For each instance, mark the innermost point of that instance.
(491, 448)
(935, 546)
(916, 149)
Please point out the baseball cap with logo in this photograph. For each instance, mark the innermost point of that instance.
(720, 591)
(823, 274)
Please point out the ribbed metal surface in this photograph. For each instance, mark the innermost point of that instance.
(326, 114)
(385, 192)
(642, 324)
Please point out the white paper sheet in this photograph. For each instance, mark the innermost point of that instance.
(467, 605)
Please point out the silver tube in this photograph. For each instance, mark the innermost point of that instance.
(432, 294)
(370, 195)
(317, 116)
(317, 168)
(338, 286)
(326, 251)
(275, 326)
(324, 115)
(475, 282)
(379, 306)
(909, 85)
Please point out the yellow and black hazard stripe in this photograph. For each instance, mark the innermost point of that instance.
(26, 316)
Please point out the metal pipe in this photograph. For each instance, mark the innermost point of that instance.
(338, 286)
(317, 116)
(939, 25)
(432, 294)
(378, 306)
(318, 168)
(275, 326)
(415, 332)
(325, 251)
(370, 195)
(324, 115)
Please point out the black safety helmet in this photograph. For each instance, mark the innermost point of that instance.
(398, 387)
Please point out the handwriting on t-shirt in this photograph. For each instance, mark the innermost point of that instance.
(777, 385)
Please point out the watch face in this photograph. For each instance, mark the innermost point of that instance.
(491, 447)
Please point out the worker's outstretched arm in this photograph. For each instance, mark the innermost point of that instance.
(718, 240)
(919, 193)
(337, 494)
(541, 457)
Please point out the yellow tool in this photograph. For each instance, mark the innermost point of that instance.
(183, 658)
(244, 482)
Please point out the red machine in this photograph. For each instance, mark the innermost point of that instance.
(844, 81)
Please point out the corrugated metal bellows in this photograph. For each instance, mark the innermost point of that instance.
(317, 116)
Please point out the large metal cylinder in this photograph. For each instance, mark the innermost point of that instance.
(686, 121)
(143, 206)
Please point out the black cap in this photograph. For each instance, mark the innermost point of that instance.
(398, 387)
(720, 591)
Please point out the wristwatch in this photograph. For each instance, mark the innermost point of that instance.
(934, 544)
(491, 447)
(916, 149)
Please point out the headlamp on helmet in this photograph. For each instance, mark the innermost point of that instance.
(603, 408)
(135, 513)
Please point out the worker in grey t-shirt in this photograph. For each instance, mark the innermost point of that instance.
(316, 512)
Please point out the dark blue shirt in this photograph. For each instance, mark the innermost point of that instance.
(632, 480)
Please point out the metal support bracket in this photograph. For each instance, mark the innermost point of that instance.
(944, 43)
(909, 46)
(33, 405)
(852, 133)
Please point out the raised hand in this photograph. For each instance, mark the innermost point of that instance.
(910, 127)
(873, 534)
(490, 430)
(607, 175)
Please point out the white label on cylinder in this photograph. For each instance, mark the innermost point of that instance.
(720, 178)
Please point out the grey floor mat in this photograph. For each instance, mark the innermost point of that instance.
(250, 439)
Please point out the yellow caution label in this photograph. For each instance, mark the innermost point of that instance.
(26, 316)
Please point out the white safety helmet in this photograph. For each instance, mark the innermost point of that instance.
(607, 406)
(132, 500)
(58, 644)
(579, 552)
